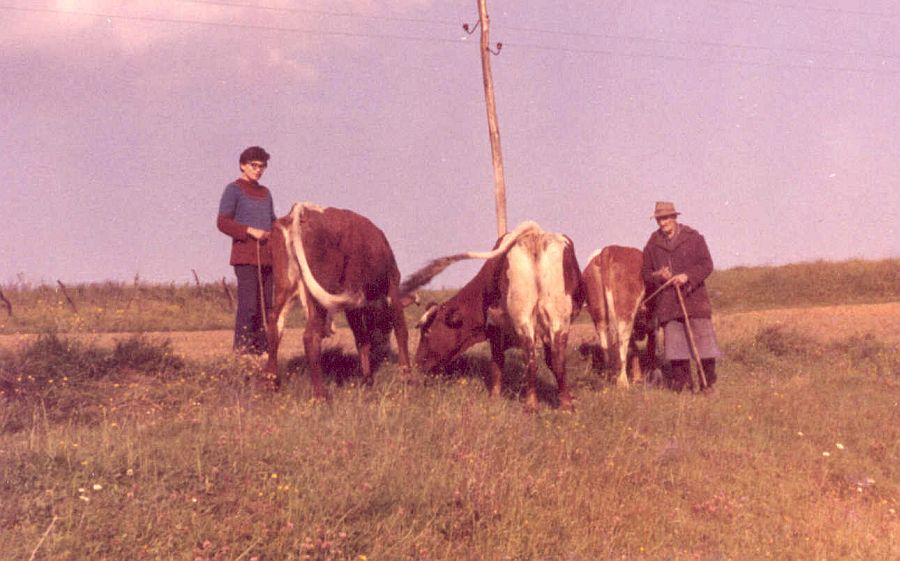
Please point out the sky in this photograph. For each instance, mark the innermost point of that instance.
(774, 126)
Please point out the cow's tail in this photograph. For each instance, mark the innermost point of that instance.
(331, 302)
(424, 275)
(612, 323)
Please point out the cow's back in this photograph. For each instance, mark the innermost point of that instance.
(620, 271)
(615, 289)
(540, 283)
(348, 253)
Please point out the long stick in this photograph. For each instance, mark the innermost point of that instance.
(262, 295)
(657, 291)
(41, 541)
(6, 303)
(690, 334)
(66, 294)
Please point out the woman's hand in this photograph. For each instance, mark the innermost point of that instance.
(257, 234)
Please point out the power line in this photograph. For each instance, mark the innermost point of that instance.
(567, 49)
(821, 9)
(704, 60)
(693, 42)
(577, 33)
(318, 12)
(257, 27)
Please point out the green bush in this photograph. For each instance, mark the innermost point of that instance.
(140, 354)
(772, 343)
(53, 360)
(805, 284)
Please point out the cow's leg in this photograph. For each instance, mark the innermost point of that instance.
(602, 334)
(637, 373)
(398, 322)
(558, 366)
(362, 334)
(312, 344)
(623, 333)
(275, 322)
(498, 360)
(531, 401)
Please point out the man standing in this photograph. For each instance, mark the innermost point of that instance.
(678, 252)
(246, 213)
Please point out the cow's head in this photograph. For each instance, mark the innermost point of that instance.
(444, 333)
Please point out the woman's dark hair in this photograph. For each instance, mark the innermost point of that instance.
(254, 153)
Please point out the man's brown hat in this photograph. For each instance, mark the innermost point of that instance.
(664, 208)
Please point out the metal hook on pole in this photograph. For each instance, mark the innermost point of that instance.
(470, 29)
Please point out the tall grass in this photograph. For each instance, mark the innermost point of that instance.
(806, 284)
(141, 307)
(794, 459)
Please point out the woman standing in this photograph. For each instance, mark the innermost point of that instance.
(246, 213)
(678, 252)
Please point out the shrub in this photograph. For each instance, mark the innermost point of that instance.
(868, 351)
(137, 353)
(771, 343)
(51, 360)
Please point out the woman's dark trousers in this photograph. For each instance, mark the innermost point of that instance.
(249, 333)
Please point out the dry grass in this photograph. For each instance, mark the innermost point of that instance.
(794, 459)
(155, 447)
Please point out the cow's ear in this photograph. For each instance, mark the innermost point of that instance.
(453, 319)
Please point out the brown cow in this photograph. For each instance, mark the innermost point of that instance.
(331, 260)
(614, 289)
(528, 291)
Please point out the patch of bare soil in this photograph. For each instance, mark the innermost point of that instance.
(825, 323)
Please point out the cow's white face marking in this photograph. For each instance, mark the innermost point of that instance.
(426, 317)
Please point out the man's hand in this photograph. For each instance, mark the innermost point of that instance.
(665, 273)
(680, 279)
(257, 234)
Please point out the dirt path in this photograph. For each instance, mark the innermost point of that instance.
(825, 323)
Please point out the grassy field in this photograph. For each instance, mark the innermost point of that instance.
(153, 446)
(111, 307)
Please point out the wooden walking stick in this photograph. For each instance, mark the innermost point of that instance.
(690, 336)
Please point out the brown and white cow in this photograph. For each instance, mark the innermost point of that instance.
(528, 291)
(614, 290)
(334, 260)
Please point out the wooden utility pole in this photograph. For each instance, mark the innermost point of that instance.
(493, 128)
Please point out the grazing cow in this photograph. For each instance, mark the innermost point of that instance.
(331, 260)
(529, 290)
(614, 290)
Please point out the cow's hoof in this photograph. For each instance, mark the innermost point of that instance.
(321, 395)
(656, 378)
(411, 379)
(567, 403)
(271, 382)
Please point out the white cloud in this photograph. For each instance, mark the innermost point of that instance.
(51, 29)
